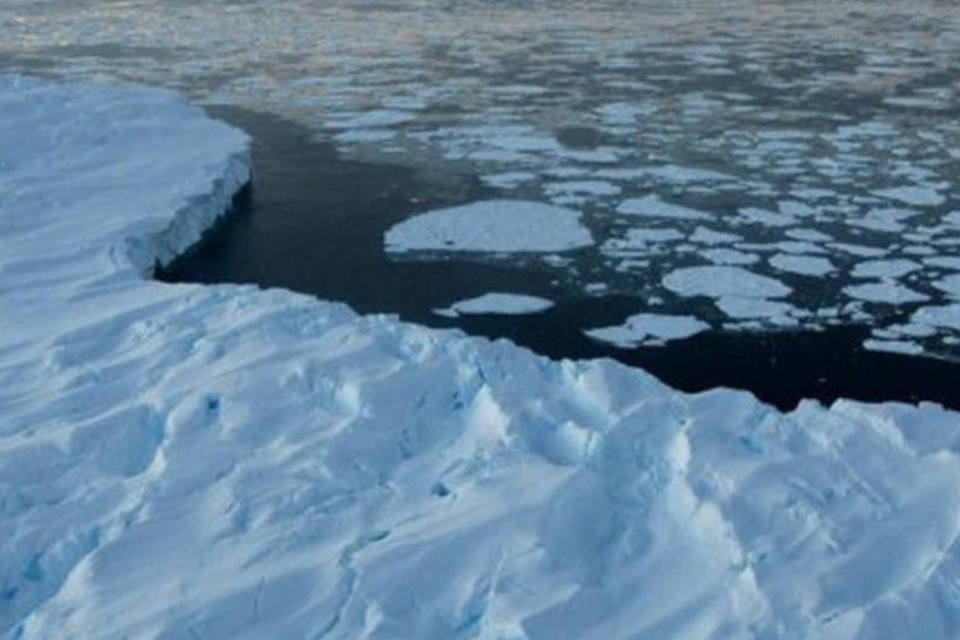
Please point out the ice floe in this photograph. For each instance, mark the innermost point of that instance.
(498, 303)
(723, 281)
(646, 328)
(501, 226)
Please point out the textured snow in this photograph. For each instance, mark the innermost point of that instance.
(723, 281)
(647, 328)
(506, 226)
(500, 303)
(185, 461)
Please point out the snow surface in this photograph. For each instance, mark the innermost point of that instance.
(499, 303)
(496, 226)
(184, 461)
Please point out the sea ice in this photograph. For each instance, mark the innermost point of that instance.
(723, 281)
(656, 207)
(646, 328)
(497, 303)
(804, 265)
(886, 292)
(501, 226)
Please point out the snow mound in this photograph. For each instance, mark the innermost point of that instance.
(225, 462)
(495, 226)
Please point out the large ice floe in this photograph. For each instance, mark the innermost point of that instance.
(227, 462)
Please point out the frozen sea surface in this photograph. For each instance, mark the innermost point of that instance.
(183, 461)
(797, 130)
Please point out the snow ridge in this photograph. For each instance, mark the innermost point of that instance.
(224, 462)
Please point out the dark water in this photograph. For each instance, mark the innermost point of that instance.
(313, 222)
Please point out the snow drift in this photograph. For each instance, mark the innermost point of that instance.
(225, 462)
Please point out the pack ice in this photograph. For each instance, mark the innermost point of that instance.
(224, 462)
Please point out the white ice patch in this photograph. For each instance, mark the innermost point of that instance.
(729, 256)
(884, 268)
(905, 347)
(947, 316)
(739, 307)
(944, 262)
(949, 285)
(646, 328)
(803, 265)
(497, 303)
(496, 226)
(656, 207)
(723, 281)
(918, 196)
(886, 292)
(766, 218)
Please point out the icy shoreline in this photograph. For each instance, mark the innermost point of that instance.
(189, 461)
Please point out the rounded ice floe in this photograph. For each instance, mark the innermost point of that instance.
(949, 285)
(944, 262)
(496, 226)
(766, 218)
(656, 207)
(739, 307)
(905, 347)
(497, 303)
(703, 235)
(886, 292)
(729, 256)
(947, 317)
(723, 281)
(884, 268)
(919, 196)
(647, 328)
(803, 265)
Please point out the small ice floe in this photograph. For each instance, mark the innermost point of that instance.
(949, 285)
(808, 235)
(884, 268)
(640, 240)
(945, 317)
(656, 207)
(905, 347)
(508, 180)
(738, 307)
(581, 188)
(944, 262)
(365, 135)
(803, 265)
(494, 226)
(723, 281)
(648, 329)
(916, 195)
(377, 118)
(765, 217)
(496, 303)
(859, 250)
(885, 292)
(729, 256)
(703, 235)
